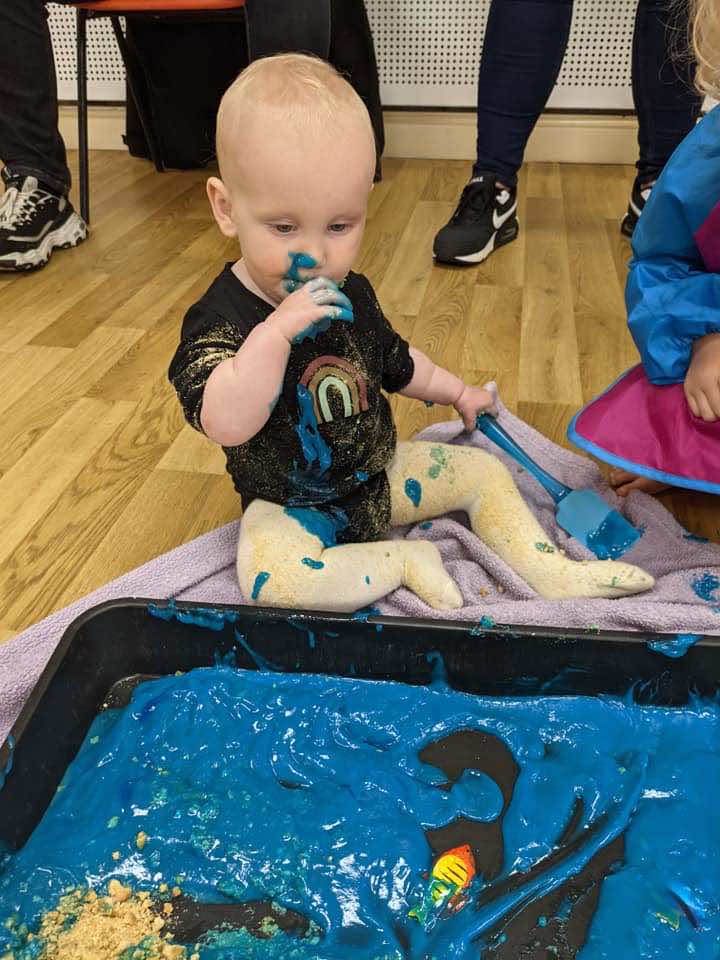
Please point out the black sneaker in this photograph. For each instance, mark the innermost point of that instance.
(484, 220)
(638, 198)
(33, 222)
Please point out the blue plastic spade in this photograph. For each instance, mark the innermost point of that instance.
(582, 513)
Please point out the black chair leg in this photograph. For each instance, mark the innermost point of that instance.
(81, 69)
(130, 60)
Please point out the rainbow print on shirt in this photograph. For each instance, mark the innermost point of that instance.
(330, 375)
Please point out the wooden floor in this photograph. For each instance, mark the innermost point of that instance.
(99, 473)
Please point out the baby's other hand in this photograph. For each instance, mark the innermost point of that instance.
(702, 383)
(310, 310)
(473, 401)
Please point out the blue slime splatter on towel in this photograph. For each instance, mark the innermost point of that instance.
(705, 586)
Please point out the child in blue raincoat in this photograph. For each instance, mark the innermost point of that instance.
(659, 423)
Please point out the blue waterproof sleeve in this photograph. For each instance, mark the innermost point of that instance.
(671, 298)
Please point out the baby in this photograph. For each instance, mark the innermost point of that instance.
(285, 359)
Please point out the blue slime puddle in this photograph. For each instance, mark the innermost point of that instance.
(310, 791)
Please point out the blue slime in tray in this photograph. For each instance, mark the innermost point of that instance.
(310, 791)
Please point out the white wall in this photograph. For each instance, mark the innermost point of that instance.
(428, 53)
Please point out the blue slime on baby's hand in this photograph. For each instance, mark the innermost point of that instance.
(298, 261)
(343, 310)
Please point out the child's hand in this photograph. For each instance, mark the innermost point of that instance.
(310, 310)
(702, 383)
(473, 401)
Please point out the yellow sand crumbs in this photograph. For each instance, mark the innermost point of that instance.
(104, 927)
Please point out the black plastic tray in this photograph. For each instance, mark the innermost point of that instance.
(123, 638)
(110, 645)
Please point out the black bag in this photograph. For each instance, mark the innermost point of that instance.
(181, 66)
(180, 69)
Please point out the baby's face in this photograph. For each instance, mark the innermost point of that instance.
(300, 194)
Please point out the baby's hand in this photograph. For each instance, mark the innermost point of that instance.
(310, 310)
(702, 383)
(473, 401)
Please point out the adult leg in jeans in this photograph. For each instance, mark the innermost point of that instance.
(525, 42)
(524, 46)
(30, 143)
(666, 100)
(35, 215)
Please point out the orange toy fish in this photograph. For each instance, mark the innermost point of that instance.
(452, 872)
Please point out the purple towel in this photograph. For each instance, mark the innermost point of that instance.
(204, 570)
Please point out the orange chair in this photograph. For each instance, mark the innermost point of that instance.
(115, 9)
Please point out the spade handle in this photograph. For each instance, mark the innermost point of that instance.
(492, 429)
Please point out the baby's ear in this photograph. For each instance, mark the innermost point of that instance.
(221, 204)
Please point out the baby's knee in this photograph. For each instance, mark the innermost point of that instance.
(270, 554)
(281, 582)
(484, 467)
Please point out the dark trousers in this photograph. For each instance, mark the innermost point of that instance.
(518, 71)
(30, 143)
(525, 43)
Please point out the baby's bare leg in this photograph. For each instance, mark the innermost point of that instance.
(428, 480)
(304, 573)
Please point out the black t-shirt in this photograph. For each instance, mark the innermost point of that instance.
(330, 434)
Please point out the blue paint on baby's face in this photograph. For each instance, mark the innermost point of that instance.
(298, 261)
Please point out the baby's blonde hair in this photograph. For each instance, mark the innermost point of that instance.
(706, 44)
(299, 90)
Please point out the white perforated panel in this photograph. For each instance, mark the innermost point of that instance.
(106, 75)
(428, 53)
(596, 69)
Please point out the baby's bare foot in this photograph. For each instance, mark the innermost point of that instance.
(594, 578)
(625, 482)
(426, 576)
